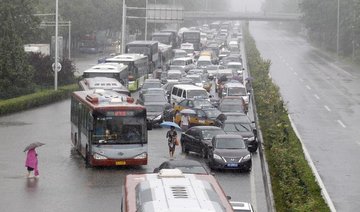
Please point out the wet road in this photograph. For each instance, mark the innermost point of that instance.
(323, 98)
(66, 185)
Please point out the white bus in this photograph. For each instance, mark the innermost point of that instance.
(171, 190)
(138, 68)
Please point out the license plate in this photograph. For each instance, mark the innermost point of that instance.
(120, 163)
(232, 165)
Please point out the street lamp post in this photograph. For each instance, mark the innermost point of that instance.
(146, 21)
(338, 28)
(123, 28)
(56, 44)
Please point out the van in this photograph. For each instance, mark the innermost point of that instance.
(235, 89)
(172, 190)
(180, 92)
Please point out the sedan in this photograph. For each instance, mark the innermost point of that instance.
(157, 112)
(246, 130)
(198, 139)
(229, 152)
(232, 104)
(186, 166)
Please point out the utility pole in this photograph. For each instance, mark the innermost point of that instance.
(123, 28)
(338, 28)
(146, 22)
(56, 44)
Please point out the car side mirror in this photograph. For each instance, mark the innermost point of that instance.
(255, 132)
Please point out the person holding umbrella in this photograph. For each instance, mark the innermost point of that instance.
(31, 162)
(171, 135)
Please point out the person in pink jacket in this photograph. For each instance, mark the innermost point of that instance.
(32, 162)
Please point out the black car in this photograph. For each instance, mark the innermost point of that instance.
(246, 130)
(229, 152)
(157, 112)
(186, 166)
(198, 139)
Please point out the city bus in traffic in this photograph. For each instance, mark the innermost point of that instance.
(108, 129)
(192, 36)
(138, 68)
(149, 48)
(173, 190)
(111, 70)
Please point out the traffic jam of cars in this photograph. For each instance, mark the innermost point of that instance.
(200, 79)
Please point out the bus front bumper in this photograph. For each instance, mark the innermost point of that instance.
(119, 162)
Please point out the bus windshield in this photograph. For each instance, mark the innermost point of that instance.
(138, 50)
(119, 130)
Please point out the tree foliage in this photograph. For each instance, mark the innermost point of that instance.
(17, 25)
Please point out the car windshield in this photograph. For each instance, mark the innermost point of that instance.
(237, 127)
(212, 113)
(195, 79)
(195, 93)
(174, 76)
(178, 63)
(209, 134)
(155, 98)
(180, 54)
(231, 108)
(154, 108)
(151, 85)
(237, 91)
(230, 143)
(202, 103)
(204, 63)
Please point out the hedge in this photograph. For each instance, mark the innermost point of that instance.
(36, 99)
(293, 183)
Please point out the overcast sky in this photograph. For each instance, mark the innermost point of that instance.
(246, 5)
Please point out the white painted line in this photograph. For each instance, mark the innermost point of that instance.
(358, 142)
(327, 108)
(291, 68)
(313, 168)
(295, 73)
(342, 124)
(301, 80)
(308, 87)
(316, 96)
(253, 189)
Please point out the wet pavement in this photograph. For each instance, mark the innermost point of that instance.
(323, 99)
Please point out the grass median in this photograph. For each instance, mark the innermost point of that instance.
(36, 99)
(293, 184)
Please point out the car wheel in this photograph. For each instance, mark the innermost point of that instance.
(183, 148)
(204, 153)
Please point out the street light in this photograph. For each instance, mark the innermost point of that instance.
(338, 28)
(56, 43)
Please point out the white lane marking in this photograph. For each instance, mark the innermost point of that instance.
(358, 142)
(316, 96)
(295, 73)
(313, 168)
(253, 189)
(301, 80)
(308, 87)
(327, 108)
(291, 68)
(342, 124)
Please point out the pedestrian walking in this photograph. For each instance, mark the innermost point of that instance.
(185, 119)
(31, 163)
(171, 135)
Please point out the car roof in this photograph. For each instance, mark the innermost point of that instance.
(183, 58)
(234, 84)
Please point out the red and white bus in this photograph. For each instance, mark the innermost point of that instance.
(108, 129)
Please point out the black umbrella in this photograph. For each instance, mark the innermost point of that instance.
(33, 146)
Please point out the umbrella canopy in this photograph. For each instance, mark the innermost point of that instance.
(33, 146)
(188, 111)
(168, 124)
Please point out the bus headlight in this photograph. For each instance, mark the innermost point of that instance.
(99, 157)
(141, 156)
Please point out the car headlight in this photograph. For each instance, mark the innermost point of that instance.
(217, 157)
(247, 157)
(157, 117)
(99, 157)
(141, 156)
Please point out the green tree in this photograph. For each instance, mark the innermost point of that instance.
(17, 25)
